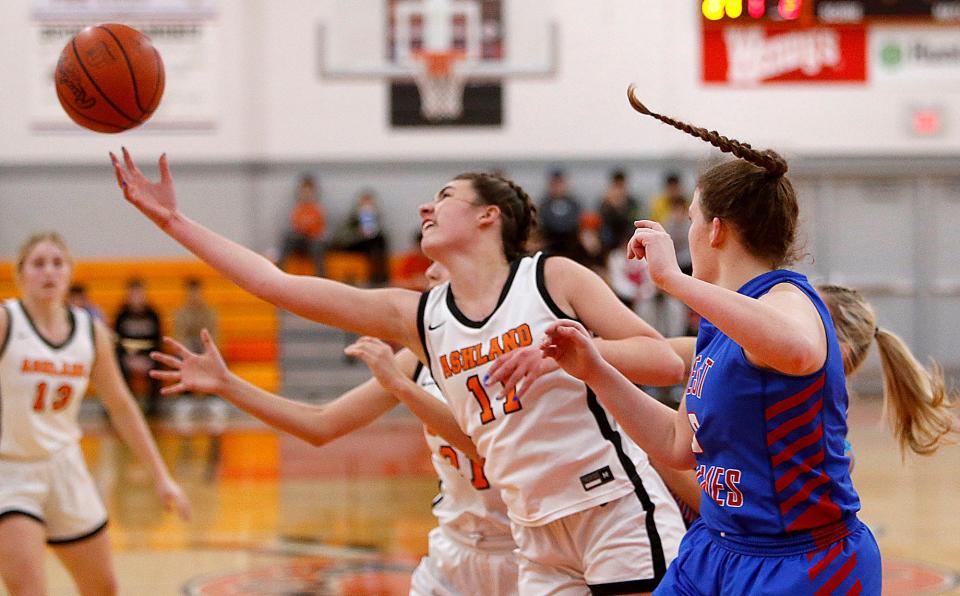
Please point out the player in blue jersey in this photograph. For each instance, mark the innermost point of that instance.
(763, 420)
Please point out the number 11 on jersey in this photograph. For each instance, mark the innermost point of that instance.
(510, 405)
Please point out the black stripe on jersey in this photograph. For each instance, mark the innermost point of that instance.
(421, 331)
(416, 371)
(93, 333)
(80, 538)
(73, 328)
(542, 286)
(32, 516)
(3, 347)
(6, 335)
(452, 303)
(627, 587)
(656, 547)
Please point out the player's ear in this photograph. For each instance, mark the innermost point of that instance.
(718, 232)
(488, 215)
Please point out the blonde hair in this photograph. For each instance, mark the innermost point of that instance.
(36, 239)
(915, 399)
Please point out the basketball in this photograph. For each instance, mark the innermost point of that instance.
(109, 78)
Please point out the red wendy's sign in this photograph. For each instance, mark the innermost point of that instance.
(758, 55)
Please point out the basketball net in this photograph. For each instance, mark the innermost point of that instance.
(440, 84)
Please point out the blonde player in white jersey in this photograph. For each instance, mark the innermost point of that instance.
(589, 515)
(49, 352)
(471, 550)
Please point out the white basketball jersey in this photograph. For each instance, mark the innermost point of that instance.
(467, 503)
(42, 385)
(552, 452)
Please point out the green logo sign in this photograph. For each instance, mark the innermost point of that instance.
(891, 54)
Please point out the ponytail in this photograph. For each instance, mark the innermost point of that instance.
(916, 403)
(768, 160)
(915, 399)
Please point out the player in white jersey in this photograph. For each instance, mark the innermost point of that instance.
(621, 529)
(49, 352)
(471, 551)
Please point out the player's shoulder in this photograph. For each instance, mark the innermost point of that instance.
(5, 325)
(562, 267)
(562, 276)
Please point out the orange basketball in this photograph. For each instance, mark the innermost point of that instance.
(109, 78)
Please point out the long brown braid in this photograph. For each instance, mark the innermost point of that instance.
(752, 193)
(767, 160)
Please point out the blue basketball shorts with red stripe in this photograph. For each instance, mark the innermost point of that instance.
(711, 563)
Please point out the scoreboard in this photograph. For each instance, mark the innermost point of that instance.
(813, 12)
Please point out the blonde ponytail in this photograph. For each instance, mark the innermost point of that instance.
(916, 403)
(915, 399)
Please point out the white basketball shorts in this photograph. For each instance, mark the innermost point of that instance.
(455, 568)
(58, 492)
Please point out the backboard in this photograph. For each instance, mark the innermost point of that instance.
(446, 60)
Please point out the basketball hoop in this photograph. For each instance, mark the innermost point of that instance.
(440, 84)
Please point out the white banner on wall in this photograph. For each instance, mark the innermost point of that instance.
(184, 32)
(914, 54)
(59, 10)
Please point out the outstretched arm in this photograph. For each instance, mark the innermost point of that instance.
(624, 340)
(664, 434)
(781, 330)
(430, 410)
(129, 423)
(685, 347)
(387, 313)
(317, 425)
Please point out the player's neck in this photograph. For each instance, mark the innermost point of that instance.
(476, 282)
(46, 314)
(738, 269)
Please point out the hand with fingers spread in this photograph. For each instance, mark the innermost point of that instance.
(173, 498)
(379, 358)
(155, 200)
(189, 372)
(518, 369)
(652, 242)
(570, 345)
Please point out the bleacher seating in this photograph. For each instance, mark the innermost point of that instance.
(247, 333)
(248, 328)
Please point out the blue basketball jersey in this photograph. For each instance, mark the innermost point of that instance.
(769, 447)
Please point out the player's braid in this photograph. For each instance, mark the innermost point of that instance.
(526, 216)
(518, 213)
(769, 161)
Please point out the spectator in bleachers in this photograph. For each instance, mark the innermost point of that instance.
(412, 266)
(661, 205)
(78, 297)
(138, 333)
(363, 233)
(618, 210)
(589, 239)
(308, 224)
(559, 217)
(194, 315)
(674, 317)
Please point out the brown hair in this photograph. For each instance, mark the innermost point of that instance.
(36, 239)
(753, 193)
(518, 213)
(915, 399)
